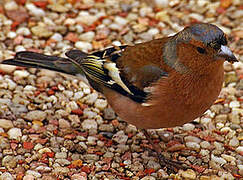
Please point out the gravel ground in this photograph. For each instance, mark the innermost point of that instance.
(53, 126)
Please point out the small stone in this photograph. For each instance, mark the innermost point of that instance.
(61, 155)
(58, 7)
(87, 36)
(188, 127)
(101, 104)
(234, 142)
(21, 73)
(205, 144)
(6, 176)
(89, 124)
(23, 31)
(188, 174)
(120, 137)
(61, 170)
(166, 136)
(6, 124)
(109, 114)
(234, 104)
(36, 115)
(84, 46)
(193, 145)
(192, 139)
(14, 133)
(218, 160)
(64, 124)
(28, 177)
(148, 178)
(91, 98)
(153, 165)
(228, 157)
(57, 37)
(11, 5)
(41, 31)
(9, 161)
(106, 127)
(38, 12)
(63, 162)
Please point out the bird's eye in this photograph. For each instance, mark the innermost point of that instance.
(201, 50)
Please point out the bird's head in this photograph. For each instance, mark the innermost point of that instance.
(199, 45)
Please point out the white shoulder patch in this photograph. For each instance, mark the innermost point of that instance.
(114, 73)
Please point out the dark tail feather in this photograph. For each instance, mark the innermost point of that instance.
(37, 60)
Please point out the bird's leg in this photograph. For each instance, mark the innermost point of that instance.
(172, 166)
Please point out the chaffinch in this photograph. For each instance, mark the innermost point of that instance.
(161, 83)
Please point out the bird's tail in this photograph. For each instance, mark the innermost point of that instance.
(37, 60)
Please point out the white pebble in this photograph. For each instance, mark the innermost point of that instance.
(21, 73)
(23, 31)
(69, 21)
(239, 149)
(120, 20)
(11, 35)
(228, 157)
(14, 133)
(78, 95)
(153, 31)
(84, 46)
(89, 124)
(218, 160)
(79, 28)
(6, 124)
(234, 142)
(100, 104)
(234, 104)
(87, 36)
(193, 145)
(34, 10)
(11, 5)
(188, 127)
(6, 176)
(33, 173)
(120, 137)
(57, 37)
(19, 48)
(29, 88)
(116, 43)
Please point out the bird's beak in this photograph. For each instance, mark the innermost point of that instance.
(226, 53)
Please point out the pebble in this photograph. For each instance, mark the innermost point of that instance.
(188, 174)
(120, 137)
(57, 37)
(23, 31)
(87, 36)
(14, 133)
(193, 145)
(63, 124)
(9, 161)
(192, 139)
(11, 5)
(219, 160)
(106, 127)
(36, 115)
(109, 114)
(89, 124)
(6, 124)
(28, 177)
(188, 127)
(61, 155)
(61, 170)
(91, 98)
(38, 12)
(41, 31)
(228, 157)
(21, 73)
(84, 46)
(11, 35)
(6, 176)
(234, 142)
(148, 178)
(234, 104)
(63, 162)
(100, 104)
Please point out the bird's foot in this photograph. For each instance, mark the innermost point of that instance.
(172, 166)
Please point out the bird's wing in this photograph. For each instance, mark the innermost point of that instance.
(112, 69)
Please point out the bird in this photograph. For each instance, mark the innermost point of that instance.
(161, 83)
